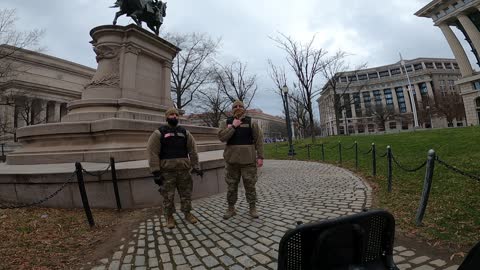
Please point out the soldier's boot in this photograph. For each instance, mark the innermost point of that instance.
(191, 218)
(170, 222)
(230, 212)
(253, 211)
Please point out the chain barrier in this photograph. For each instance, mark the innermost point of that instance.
(348, 148)
(97, 174)
(408, 170)
(368, 152)
(336, 145)
(453, 168)
(42, 200)
(384, 155)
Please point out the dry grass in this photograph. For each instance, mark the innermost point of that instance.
(44, 238)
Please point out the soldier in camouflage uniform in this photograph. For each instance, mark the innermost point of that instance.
(172, 153)
(243, 153)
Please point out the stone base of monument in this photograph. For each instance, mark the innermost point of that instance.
(119, 109)
(23, 184)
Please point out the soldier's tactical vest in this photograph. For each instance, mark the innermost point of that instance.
(173, 141)
(243, 134)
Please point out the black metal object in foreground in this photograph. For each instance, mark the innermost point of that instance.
(359, 241)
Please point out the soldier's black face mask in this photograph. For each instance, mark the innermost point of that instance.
(172, 122)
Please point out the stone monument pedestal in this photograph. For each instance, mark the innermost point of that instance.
(119, 109)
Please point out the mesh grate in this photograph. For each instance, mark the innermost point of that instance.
(375, 238)
(294, 252)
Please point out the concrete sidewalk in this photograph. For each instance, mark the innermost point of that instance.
(288, 191)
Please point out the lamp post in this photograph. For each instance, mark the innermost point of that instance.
(410, 91)
(291, 151)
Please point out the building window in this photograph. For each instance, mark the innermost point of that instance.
(429, 65)
(352, 78)
(401, 99)
(451, 85)
(393, 125)
(417, 66)
(395, 71)
(360, 128)
(384, 74)
(343, 79)
(371, 128)
(367, 101)
(362, 77)
(423, 89)
(373, 75)
(438, 65)
(455, 66)
(476, 85)
(448, 65)
(443, 90)
(356, 103)
(378, 98)
(388, 98)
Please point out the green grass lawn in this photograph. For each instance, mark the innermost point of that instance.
(452, 217)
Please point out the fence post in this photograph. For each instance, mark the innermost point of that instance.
(323, 152)
(83, 193)
(389, 168)
(340, 152)
(115, 184)
(427, 184)
(356, 155)
(308, 151)
(374, 160)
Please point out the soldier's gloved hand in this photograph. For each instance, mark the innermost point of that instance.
(158, 178)
(197, 171)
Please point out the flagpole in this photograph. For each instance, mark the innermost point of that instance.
(410, 90)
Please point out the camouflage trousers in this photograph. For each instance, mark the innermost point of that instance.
(182, 182)
(233, 173)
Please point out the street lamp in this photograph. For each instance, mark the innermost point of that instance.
(291, 151)
(410, 91)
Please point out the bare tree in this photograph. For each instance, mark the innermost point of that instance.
(333, 69)
(193, 66)
(299, 113)
(235, 83)
(381, 115)
(13, 44)
(449, 106)
(213, 106)
(306, 62)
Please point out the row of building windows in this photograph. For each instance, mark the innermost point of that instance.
(397, 71)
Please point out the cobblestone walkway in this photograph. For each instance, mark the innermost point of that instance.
(288, 191)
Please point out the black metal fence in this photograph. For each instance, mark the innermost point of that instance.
(78, 174)
(391, 160)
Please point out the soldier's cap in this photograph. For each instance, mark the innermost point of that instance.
(171, 111)
(236, 103)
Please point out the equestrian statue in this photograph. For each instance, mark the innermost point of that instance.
(149, 11)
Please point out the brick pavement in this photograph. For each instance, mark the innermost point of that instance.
(288, 191)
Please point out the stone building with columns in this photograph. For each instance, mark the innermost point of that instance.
(38, 91)
(465, 16)
(373, 94)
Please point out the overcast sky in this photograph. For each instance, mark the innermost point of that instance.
(372, 31)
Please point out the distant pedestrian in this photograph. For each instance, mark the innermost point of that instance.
(243, 153)
(172, 153)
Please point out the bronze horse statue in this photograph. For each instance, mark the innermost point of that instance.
(149, 11)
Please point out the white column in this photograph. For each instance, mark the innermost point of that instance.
(471, 30)
(457, 49)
